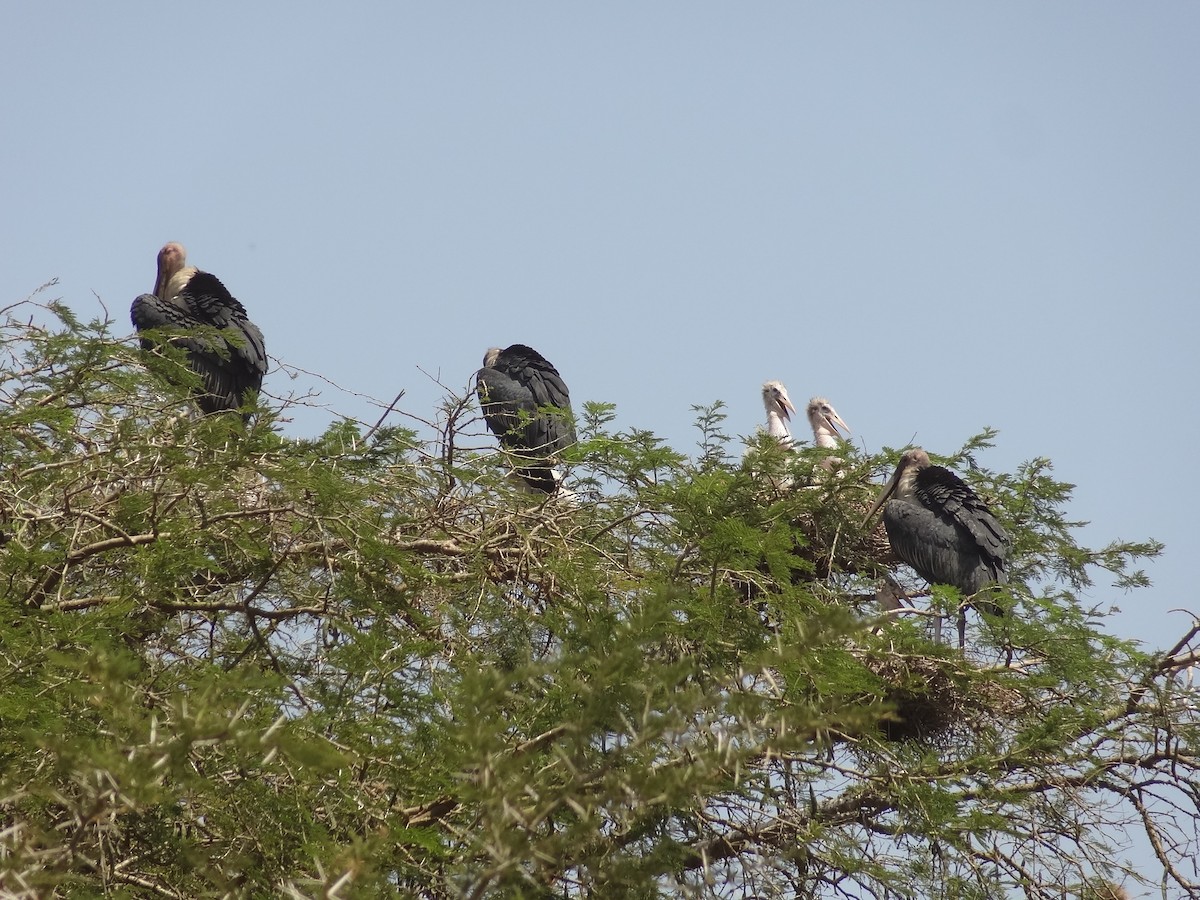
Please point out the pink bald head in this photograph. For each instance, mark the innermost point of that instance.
(171, 258)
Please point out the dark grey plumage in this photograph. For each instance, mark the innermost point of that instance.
(941, 528)
(185, 300)
(527, 406)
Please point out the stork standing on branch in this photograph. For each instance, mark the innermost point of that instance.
(941, 528)
(527, 406)
(231, 359)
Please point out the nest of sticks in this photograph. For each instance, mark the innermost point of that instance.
(936, 698)
(826, 512)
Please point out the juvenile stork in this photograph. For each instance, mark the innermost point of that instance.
(941, 528)
(827, 428)
(527, 406)
(779, 411)
(827, 425)
(230, 358)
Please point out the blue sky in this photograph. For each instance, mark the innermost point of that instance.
(940, 215)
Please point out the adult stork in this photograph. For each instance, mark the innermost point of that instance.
(941, 528)
(527, 406)
(223, 346)
(779, 411)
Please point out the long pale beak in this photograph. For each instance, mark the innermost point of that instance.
(836, 425)
(160, 283)
(170, 260)
(788, 409)
(888, 490)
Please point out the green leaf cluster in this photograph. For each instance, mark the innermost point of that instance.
(364, 664)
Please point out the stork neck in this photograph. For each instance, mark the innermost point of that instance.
(178, 282)
(777, 427)
(823, 437)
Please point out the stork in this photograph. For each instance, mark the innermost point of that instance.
(231, 362)
(827, 426)
(941, 528)
(527, 406)
(779, 409)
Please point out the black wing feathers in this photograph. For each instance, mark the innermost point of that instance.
(233, 363)
(949, 535)
(939, 488)
(933, 545)
(515, 395)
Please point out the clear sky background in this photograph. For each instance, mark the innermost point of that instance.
(940, 215)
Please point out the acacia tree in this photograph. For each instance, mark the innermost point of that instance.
(365, 664)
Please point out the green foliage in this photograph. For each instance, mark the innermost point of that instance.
(365, 664)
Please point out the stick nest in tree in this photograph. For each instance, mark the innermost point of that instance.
(935, 698)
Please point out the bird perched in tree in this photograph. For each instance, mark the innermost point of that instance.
(941, 528)
(827, 425)
(779, 411)
(527, 406)
(195, 311)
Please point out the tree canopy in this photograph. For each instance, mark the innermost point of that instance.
(366, 664)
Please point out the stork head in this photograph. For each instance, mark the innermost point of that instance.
(825, 421)
(489, 358)
(171, 259)
(903, 479)
(776, 400)
(912, 461)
